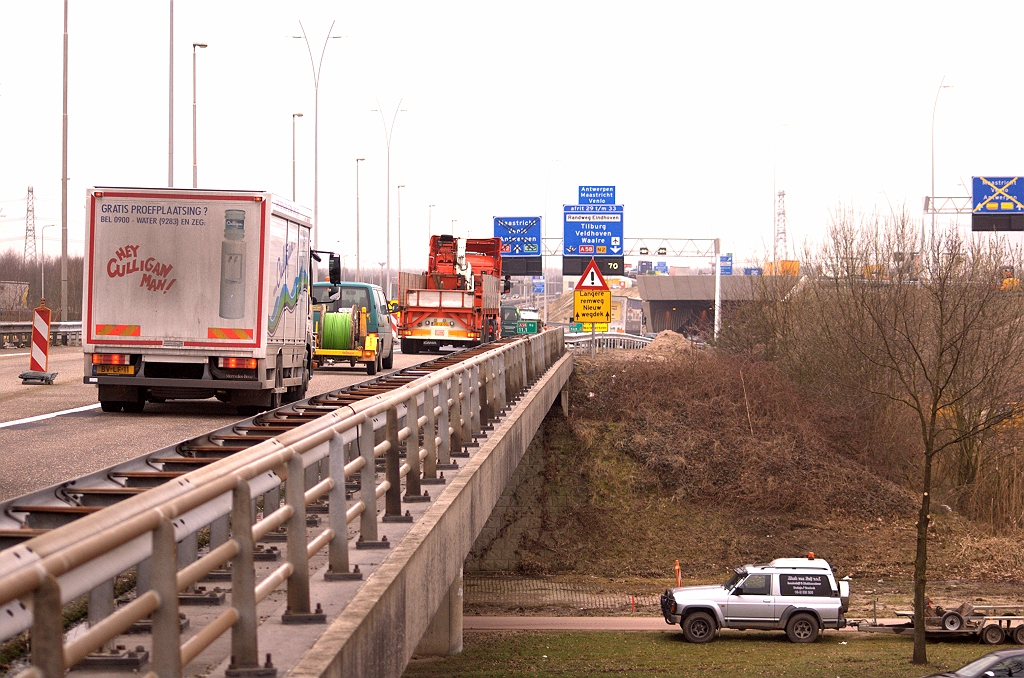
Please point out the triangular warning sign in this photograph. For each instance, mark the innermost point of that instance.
(592, 278)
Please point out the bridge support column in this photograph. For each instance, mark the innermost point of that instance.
(444, 634)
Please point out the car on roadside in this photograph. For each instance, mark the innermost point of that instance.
(798, 595)
(995, 664)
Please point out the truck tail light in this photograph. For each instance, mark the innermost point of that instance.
(111, 359)
(237, 363)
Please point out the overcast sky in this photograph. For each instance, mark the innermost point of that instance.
(694, 111)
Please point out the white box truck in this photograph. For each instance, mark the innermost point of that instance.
(196, 294)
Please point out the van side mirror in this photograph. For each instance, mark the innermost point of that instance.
(392, 306)
(334, 269)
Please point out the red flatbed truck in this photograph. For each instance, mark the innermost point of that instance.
(457, 300)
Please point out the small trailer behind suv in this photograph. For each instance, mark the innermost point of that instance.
(991, 624)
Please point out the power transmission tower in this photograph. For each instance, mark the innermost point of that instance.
(30, 228)
(781, 249)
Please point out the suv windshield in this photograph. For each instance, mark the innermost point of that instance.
(733, 580)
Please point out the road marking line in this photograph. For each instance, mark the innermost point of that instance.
(40, 417)
(12, 355)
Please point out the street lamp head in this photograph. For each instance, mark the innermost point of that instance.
(296, 115)
(360, 159)
(401, 186)
(200, 45)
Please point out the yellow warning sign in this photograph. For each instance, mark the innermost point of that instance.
(592, 306)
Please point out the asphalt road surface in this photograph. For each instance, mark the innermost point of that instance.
(81, 438)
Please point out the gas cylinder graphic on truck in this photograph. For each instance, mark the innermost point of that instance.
(232, 265)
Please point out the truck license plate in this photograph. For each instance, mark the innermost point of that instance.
(115, 369)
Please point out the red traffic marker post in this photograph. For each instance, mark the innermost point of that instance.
(39, 358)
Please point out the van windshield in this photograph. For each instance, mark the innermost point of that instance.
(354, 296)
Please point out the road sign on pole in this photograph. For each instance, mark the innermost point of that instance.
(592, 299)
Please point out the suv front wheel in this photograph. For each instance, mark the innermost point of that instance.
(802, 628)
(698, 627)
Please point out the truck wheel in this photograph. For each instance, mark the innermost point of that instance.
(952, 621)
(389, 362)
(698, 627)
(802, 628)
(1018, 634)
(134, 406)
(373, 367)
(111, 405)
(992, 635)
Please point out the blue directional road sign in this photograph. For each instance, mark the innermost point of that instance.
(725, 264)
(997, 204)
(592, 230)
(520, 236)
(597, 195)
(998, 195)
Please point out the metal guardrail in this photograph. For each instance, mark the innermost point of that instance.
(19, 334)
(604, 341)
(446, 408)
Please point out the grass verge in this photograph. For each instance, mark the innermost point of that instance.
(579, 653)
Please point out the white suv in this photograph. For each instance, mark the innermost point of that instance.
(800, 595)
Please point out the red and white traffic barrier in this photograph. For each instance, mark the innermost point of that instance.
(39, 360)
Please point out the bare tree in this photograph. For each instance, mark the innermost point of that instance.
(938, 335)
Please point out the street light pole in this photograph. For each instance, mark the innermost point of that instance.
(195, 169)
(316, 126)
(359, 271)
(931, 199)
(430, 215)
(453, 226)
(543, 226)
(387, 140)
(294, 115)
(42, 258)
(400, 187)
(64, 185)
(170, 104)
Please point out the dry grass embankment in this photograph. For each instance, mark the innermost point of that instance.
(714, 460)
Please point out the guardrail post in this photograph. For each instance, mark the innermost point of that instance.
(47, 635)
(486, 397)
(166, 628)
(101, 605)
(188, 552)
(466, 408)
(271, 500)
(502, 381)
(244, 642)
(429, 436)
(219, 531)
(472, 421)
(444, 426)
(458, 428)
(368, 483)
(337, 518)
(413, 492)
(392, 465)
(531, 361)
(298, 581)
(523, 377)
